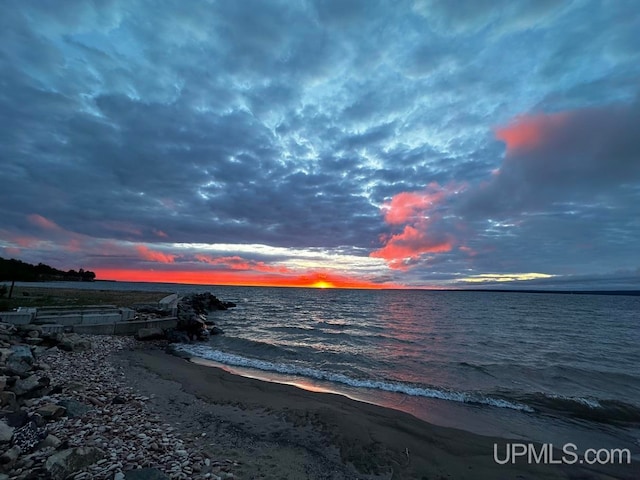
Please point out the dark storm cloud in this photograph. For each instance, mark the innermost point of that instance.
(156, 124)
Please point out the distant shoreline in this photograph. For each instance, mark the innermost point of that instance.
(97, 282)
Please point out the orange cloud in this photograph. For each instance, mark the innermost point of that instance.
(40, 221)
(530, 131)
(154, 256)
(407, 207)
(409, 245)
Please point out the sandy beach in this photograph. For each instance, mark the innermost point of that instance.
(283, 432)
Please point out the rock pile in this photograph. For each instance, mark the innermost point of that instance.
(67, 414)
(193, 323)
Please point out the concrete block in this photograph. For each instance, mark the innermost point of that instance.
(16, 318)
(97, 318)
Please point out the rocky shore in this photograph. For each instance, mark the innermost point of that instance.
(66, 413)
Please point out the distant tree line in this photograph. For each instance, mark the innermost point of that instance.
(19, 271)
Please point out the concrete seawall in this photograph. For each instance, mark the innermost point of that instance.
(93, 320)
(125, 328)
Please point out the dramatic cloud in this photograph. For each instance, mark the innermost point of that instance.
(417, 143)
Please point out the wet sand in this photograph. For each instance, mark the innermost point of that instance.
(280, 431)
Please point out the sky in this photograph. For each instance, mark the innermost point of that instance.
(347, 143)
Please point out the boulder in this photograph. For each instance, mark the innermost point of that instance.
(216, 331)
(74, 408)
(72, 342)
(19, 360)
(177, 336)
(51, 411)
(8, 399)
(6, 432)
(62, 464)
(152, 333)
(50, 441)
(30, 384)
(9, 457)
(30, 330)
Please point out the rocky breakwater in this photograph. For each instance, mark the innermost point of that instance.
(66, 414)
(193, 321)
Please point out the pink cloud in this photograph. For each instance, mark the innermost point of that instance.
(528, 132)
(420, 212)
(40, 221)
(406, 207)
(239, 263)
(405, 248)
(154, 256)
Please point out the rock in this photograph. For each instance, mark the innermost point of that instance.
(73, 407)
(30, 385)
(50, 441)
(20, 360)
(17, 419)
(4, 354)
(6, 432)
(145, 474)
(118, 400)
(72, 342)
(9, 457)
(216, 331)
(3, 382)
(177, 336)
(8, 398)
(51, 411)
(62, 464)
(152, 333)
(118, 476)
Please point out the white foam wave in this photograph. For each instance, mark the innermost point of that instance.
(396, 387)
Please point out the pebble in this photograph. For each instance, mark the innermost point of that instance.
(113, 426)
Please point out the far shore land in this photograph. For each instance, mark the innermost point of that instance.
(277, 431)
(283, 432)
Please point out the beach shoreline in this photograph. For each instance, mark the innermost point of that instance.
(282, 431)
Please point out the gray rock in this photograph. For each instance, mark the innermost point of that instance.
(19, 360)
(62, 464)
(26, 385)
(51, 411)
(6, 432)
(145, 474)
(9, 457)
(74, 408)
(72, 342)
(216, 331)
(50, 441)
(152, 333)
(29, 385)
(9, 399)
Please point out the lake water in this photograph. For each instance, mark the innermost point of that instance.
(554, 368)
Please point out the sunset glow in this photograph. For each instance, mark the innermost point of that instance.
(323, 144)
